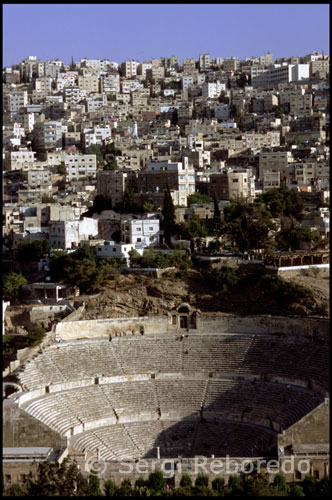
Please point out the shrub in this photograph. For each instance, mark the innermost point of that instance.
(202, 480)
(36, 335)
(186, 481)
(224, 278)
(12, 286)
(156, 481)
(218, 484)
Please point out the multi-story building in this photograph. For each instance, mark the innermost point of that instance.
(31, 68)
(275, 161)
(74, 95)
(231, 65)
(95, 103)
(129, 68)
(212, 90)
(69, 234)
(281, 73)
(232, 184)
(38, 177)
(89, 83)
(271, 180)
(160, 174)
(15, 159)
(141, 232)
(113, 184)
(80, 166)
(204, 62)
(15, 100)
(96, 135)
(47, 136)
(143, 67)
(110, 82)
(189, 65)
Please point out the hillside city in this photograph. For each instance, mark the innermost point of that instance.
(177, 195)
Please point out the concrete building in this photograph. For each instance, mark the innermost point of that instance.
(36, 178)
(96, 135)
(80, 166)
(275, 161)
(116, 250)
(178, 175)
(15, 100)
(281, 73)
(88, 83)
(204, 62)
(113, 184)
(68, 234)
(129, 68)
(212, 90)
(141, 232)
(47, 135)
(230, 185)
(15, 159)
(110, 82)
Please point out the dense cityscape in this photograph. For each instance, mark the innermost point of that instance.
(155, 215)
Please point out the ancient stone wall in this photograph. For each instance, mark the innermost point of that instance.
(21, 429)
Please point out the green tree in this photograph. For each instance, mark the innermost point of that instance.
(186, 481)
(201, 480)
(196, 198)
(193, 228)
(125, 489)
(218, 484)
(94, 486)
(224, 278)
(216, 209)
(156, 481)
(61, 169)
(95, 150)
(12, 286)
(168, 212)
(248, 224)
(283, 201)
(234, 486)
(110, 488)
(34, 251)
(292, 237)
(280, 484)
(48, 199)
(148, 206)
(36, 335)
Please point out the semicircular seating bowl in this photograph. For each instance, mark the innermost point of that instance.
(209, 376)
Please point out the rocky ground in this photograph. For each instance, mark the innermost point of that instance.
(140, 295)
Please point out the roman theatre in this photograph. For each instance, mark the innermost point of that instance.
(175, 387)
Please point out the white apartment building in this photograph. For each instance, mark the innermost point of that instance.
(15, 159)
(281, 73)
(74, 95)
(116, 250)
(80, 166)
(131, 85)
(28, 122)
(95, 103)
(43, 84)
(63, 80)
(96, 135)
(69, 234)
(110, 82)
(141, 232)
(212, 90)
(31, 68)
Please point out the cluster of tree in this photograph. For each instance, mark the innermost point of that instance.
(151, 258)
(83, 269)
(224, 278)
(12, 286)
(32, 252)
(67, 480)
(198, 198)
(11, 343)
